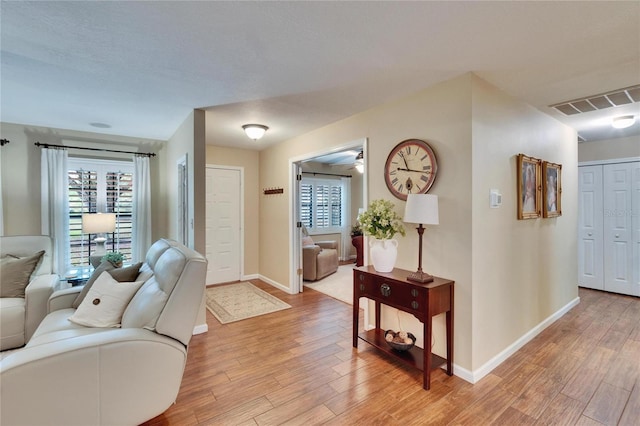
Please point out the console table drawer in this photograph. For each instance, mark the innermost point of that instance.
(364, 284)
(397, 294)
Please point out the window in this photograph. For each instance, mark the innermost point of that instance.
(99, 186)
(321, 203)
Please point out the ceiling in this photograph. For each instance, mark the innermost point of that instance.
(142, 67)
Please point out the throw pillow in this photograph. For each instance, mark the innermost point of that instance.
(15, 273)
(105, 302)
(307, 241)
(119, 274)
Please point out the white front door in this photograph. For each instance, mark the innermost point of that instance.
(619, 263)
(590, 242)
(223, 188)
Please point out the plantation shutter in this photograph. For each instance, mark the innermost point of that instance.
(99, 186)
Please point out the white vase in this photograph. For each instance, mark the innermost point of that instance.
(383, 254)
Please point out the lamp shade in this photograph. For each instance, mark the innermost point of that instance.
(422, 208)
(255, 131)
(97, 223)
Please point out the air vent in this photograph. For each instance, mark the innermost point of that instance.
(601, 101)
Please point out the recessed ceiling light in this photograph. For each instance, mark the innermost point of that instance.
(101, 125)
(623, 121)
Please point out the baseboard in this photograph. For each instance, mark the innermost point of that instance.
(250, 277)
(476, 375)
(200, 328)
(275, 284)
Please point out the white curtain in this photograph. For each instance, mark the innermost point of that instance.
(55, 204)
(141, 222)
(346, 219)
(1, 215)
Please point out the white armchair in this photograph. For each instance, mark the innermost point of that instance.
(19, 317)
(69, 374)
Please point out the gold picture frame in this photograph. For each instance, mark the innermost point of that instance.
(551, 189)
(529, 187)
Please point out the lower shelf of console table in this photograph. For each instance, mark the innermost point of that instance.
(414, 357)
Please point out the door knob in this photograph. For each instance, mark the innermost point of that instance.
(617, 235)
(590, 234)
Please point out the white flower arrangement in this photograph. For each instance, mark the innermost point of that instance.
(381, 221)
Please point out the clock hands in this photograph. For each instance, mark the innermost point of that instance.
(403, 159)
(412, 170)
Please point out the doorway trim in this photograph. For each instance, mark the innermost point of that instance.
(295, 250)
(241, 246)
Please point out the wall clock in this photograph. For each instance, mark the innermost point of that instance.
(411, 168)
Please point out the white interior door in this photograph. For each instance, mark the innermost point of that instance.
(590, 223)
(223, 223)
(618, 231)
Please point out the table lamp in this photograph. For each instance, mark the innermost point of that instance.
(423, 210)
(98, 223)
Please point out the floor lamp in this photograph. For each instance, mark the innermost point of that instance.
(423, 210)
(98, 223)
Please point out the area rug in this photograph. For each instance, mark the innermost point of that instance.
(338, 285)
(235, 302)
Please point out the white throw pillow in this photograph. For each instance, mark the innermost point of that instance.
(105, 303)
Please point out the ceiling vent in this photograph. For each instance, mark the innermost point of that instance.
(601, 101)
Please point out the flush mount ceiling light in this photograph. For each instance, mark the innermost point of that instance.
(255, 131)
(359, 163)
(623, 121)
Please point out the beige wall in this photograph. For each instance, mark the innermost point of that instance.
(475, 131)
(523, 271)
(609, 149)
(248, 160)
(189, 139)
(21, 171)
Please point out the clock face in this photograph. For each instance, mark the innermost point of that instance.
(410, 168)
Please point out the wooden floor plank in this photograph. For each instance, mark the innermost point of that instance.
(607, 404)
(298, 367)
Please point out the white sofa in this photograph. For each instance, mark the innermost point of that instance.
(19, 317)
(69, 374)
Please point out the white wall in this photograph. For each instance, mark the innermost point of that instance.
(609, 149)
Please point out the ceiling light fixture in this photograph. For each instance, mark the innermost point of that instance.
(359, 163)
(623, 121)
(255, 131)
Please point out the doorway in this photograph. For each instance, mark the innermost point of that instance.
(355, 150)
(224, 219)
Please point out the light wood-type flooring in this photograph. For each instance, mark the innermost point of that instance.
(297, 367)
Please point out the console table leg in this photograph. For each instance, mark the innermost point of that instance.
(356, 319)
(427, 354)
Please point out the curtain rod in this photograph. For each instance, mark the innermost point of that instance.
(326, 174)
(47, 145)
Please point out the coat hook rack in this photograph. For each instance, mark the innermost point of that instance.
(272, 191)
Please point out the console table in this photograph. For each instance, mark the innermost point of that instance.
(424, 301)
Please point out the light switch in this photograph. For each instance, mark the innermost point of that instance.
(495, 199)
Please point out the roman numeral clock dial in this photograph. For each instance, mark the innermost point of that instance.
(411, 168)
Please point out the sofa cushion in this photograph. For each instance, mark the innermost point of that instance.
(105, 302)
(15, 273)
(12, 312)
(127, 274)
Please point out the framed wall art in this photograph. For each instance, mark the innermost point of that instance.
(529, 187)
(551, 189)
